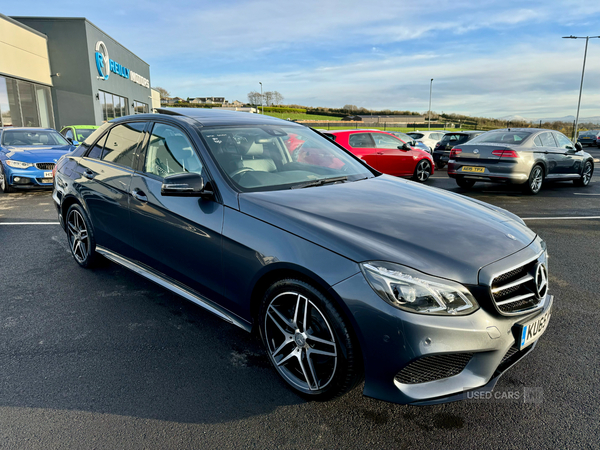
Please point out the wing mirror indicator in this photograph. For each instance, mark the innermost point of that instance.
(185, 185)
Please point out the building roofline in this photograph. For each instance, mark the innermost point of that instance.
(22, 25)
(76, 18)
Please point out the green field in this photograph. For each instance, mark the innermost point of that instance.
(300, 116)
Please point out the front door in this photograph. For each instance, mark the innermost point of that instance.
(570, 159)
(178, 236)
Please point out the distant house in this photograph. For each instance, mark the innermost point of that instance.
(207, 100)
(171, 100)
(235, 104)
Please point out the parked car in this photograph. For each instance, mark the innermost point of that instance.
(406, 138)
(526, 156)
(387, 153)
(78, 133)
(347, 274)
(429, 137)
(441, 152)
(28, 156)
(589, 138)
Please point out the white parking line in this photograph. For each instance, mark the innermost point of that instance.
(29, 223)
(560, 218)
(582, 193)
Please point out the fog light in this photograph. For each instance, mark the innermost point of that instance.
(17, 179)
(21, 180)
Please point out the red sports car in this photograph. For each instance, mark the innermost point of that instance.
(386, 153)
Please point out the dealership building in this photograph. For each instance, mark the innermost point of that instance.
(57, 71)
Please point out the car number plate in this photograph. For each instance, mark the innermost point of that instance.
(531, 331)
(47, 174)
(473, 169)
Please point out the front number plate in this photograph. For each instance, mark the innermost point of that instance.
(473, 169)
(47, 174)
(532, 330)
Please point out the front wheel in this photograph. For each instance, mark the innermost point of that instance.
(4, 186)
(535, 181)
(465, 183)
(422, 171)
(308, 341)
(81, 236)
(586, 175)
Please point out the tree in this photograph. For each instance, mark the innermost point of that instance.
(277, 97)
(268, 97)
(254, 98)
(163, 92)
(350, 108)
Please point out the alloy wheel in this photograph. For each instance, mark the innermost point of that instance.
(537, 177)
(423, 171)
(78, 236)
(587, 174)
(300, 341)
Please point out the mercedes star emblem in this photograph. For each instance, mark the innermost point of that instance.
(541, 281)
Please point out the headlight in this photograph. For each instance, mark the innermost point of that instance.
(415, 292)
(18, 164)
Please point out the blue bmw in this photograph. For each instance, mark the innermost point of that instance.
(28, 156)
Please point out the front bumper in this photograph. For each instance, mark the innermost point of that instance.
(392, 339)
(30, 178)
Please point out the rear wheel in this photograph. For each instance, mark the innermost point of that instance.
(81, 236)
(586, 175)
(535, 181)
(422, 171)
(6, 188)
(308, 341)
(465, 183)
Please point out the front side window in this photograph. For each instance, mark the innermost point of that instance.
(361, 140)
(121, 143)
(258, 158)
(32, 138)
(170, 152)
(563, 141)
(386, 141)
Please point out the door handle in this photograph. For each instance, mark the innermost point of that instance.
(89, 174)
(139, 194)
(380, 153)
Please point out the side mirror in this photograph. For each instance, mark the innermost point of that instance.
(70, 140)
(578, 147)
(185, 185)
(405, 146)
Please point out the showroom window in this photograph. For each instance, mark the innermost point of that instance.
(25, 104)
(113, 106)
(140, 108)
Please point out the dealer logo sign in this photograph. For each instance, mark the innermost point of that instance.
(102, 60)
(541, 281)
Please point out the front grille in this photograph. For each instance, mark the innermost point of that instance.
(515, 291)
(434, 367)
(45, 166)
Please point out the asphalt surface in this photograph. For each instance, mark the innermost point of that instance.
(105, 359)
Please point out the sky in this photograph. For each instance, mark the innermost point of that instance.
(486, 58)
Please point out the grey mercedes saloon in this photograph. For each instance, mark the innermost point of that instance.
(331, 262)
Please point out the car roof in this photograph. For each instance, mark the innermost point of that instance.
(360, 130)
(26, 128)
(210, 117)
(93, 127)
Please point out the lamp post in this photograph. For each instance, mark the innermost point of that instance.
(587, 38)
(429, 117)
(262, 108)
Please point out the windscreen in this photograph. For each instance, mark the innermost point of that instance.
(416, 135)
(454, 139)
(502, 137)
(32, 138)
(265, 157)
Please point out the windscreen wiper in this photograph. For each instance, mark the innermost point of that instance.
(321, 182)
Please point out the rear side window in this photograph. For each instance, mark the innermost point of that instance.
(94, 153)
(122, 142)
(361, 140)
(96, 150)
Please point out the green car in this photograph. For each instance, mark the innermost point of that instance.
(78, 133)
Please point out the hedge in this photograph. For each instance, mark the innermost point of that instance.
(274, 109)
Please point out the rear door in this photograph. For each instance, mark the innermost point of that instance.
(105, 176)
(388, 158)
(177, 236)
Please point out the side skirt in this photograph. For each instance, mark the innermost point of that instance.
(175, 287)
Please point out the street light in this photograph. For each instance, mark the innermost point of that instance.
(587, 38)
(262, 108)
(429, 118)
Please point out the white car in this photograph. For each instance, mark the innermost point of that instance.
(429, 137)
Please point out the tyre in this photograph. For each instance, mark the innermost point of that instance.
(4, 186)
(465, 183)
(308, 341)
(422, 171)
(439, 165)
(586, 175)
(535, 181)
(80, 235)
